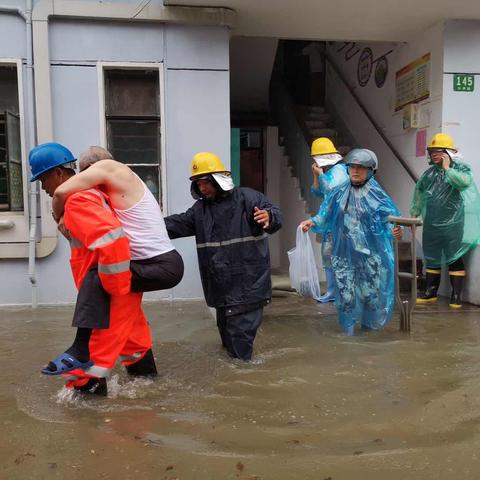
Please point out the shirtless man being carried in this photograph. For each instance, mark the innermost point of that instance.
(155, 264)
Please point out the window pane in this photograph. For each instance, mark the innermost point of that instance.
(132, 93)
(14, 161)
(133, 122)
(250, 139)
(151, 178)
(8, 89)
(3, 187)
(3, 166)
(134, 141)
(11, 184)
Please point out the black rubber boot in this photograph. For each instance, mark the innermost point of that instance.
(94, 386)
(457, 287)
(145, 367)
(432, 284)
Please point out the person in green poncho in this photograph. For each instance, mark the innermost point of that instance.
(448, 200)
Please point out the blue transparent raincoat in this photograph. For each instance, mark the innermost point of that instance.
(332, 178)
(449, 203)
(363, 256)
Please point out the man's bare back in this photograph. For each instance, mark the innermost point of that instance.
(119, 182)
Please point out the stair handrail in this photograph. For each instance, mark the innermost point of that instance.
(279, 78)
(296, 136)
(405, 306)
(375, 125)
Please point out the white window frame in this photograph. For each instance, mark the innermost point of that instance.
(101, 67)
(14, 241)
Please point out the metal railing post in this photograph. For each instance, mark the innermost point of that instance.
(406, 306)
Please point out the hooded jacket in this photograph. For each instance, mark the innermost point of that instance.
(362, 256)
(232, 248)
(449, 203)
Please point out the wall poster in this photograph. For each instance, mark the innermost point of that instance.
(421, 143)
(412, 82)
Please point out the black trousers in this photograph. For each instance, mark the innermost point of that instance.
(157, 273)
(92, 309)
(457, 266)
(238, 327)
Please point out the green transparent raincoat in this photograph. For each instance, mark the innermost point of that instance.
(449, 203)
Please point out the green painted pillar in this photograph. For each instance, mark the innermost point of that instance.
(235, 155)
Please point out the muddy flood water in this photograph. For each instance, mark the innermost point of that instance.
(312, 405)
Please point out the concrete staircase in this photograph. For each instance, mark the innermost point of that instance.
(320, 124)
(283, 189)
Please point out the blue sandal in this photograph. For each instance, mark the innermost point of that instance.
(65, 363)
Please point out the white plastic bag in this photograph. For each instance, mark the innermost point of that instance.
(303, 269)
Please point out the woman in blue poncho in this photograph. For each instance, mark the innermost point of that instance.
(362, 257)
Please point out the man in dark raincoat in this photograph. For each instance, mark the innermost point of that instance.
(231, 227)
(447, 199)
(362, 257)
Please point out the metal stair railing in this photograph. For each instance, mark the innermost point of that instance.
(375, 125)
(406, 306)
(296, 137)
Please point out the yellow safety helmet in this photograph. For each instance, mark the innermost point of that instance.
(323, 146)
(204, 163)
(442, 140)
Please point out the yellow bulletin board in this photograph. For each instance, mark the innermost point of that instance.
(412, 82)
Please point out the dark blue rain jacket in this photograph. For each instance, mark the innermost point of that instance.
(232, 248)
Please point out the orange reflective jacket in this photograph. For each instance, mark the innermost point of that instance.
(97, 239)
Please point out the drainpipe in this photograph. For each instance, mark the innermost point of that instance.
(31, 142)
(14, 10)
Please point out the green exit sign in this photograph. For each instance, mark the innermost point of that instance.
(463, 82)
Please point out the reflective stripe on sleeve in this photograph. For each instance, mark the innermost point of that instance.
(131, 358)
(113, 268)
(75, 243)
(102, 198)
(109, 237)
(225, 243)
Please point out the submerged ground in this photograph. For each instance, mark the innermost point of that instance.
(313, 405)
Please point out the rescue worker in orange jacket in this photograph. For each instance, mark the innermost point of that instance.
(100, 252)
(154, 263)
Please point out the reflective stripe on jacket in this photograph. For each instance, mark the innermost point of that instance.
(97, 240)
(232, 248)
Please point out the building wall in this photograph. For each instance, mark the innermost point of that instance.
(380, 103)
(460, 113)
(12, 36)
(251, 63)
(197, 117)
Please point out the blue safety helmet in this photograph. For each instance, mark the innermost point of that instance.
(46, 156)
(363, 157)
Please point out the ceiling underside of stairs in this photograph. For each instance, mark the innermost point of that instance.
(366, 20)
